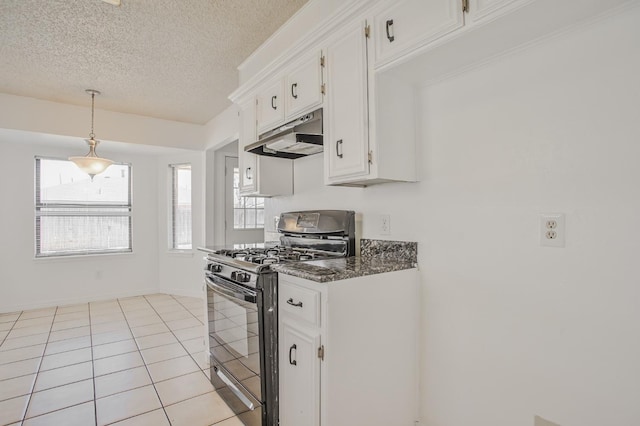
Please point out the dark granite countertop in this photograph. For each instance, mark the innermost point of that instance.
(340, 269)
(377, 257)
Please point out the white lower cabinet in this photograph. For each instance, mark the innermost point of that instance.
(348, 350)
(300, 371)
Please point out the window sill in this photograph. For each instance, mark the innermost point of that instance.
(73, 257)
(180, 253)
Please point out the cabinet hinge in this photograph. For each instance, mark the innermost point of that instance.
(321, 352)
(465, 5)
(323, 89)
(322, 61)
(370, 157)
(367, 30)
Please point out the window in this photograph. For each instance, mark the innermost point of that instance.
(180, 207)
(76, 215)
(248, 212)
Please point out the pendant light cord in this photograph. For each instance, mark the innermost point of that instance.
(93, 96)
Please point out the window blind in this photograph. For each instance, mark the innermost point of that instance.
(77, 216)
(181, 207)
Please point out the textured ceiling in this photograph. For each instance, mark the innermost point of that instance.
(170, 59)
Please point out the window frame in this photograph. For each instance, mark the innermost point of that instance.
(245, 208)
(39, 205)
(173, 187)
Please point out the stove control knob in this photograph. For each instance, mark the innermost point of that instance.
(215, 268)
(239, 276)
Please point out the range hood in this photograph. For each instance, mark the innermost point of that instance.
(298, 138)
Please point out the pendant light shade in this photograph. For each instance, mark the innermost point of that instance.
(91, 164)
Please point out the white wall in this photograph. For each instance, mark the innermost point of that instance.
(26, 282)
(512, 329)
(30, 127)
(34, 115)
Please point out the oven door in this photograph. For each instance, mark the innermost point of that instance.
(234, 342)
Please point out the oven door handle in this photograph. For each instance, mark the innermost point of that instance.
(231, 289)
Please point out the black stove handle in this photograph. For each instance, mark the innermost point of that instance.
(230, 289)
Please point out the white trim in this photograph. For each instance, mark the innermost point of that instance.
(76, 300)
(313, 39)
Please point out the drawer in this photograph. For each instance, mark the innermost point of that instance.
(299, 303)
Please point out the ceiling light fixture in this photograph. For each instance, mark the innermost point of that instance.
(113, 2)
(91, 164)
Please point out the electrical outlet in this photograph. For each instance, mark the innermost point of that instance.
(552, 230)
(384, 224)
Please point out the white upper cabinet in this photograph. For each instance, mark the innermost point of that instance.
(369, 128)
(346, 139)
(298, 90)
(270, 105)
(304, 85)
(489, 9)
(260, 176)
(406, 25)
(247, 162)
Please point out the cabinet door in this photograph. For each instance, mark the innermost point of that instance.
(481, 9)
(303, 88)
(347, 124)
(299, 376)
(247, 162)
(270, 106)
(408, 24)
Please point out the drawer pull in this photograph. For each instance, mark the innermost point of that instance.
(390, 36)
(291, 349)
(297, 305)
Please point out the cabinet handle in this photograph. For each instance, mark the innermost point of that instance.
(273, 100)
(339, 148)
(294, 90)
(297, 305)
(291, 349)
(390, 36)
(247, 173)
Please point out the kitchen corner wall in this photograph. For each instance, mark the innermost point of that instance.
(26, 282)
(30, 127)
(180, 273)
(512, 329)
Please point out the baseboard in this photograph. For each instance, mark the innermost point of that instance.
(75, 300)
(181, 292)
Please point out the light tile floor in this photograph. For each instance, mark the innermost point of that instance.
(134, 361)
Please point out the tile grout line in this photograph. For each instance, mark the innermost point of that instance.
(143, 361)
(35, 380)
(93, 369)
(174, 335)
(139, 350)
(4, 339)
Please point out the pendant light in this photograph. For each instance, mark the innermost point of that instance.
(91, 164)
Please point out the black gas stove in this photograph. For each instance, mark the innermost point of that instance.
(243, 308)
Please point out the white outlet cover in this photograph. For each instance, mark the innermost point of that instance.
(384, 224)
(552, 230)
